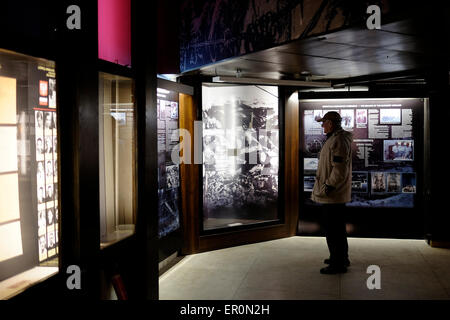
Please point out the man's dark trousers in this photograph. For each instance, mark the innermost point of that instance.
(333, 221)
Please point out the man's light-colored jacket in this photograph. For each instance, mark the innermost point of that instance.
(335, 169)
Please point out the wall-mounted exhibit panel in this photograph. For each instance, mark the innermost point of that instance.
(383, 149)
(387, 154)
(240, 155)
(29, 210)
(117, 134)
(168, 167)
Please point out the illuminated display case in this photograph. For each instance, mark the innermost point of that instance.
(117, 135)
(384, 148)
(29, 197)
(240, 155)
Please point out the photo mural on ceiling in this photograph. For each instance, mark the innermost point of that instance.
(214, 30)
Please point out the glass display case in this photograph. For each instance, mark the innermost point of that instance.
(168, 170)
(386, 134)
(240, 155)
(117, 156)
(29, 210)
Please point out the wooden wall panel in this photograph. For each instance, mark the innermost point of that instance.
(291, 160)
(190, 181)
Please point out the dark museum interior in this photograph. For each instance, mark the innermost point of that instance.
(174, 150)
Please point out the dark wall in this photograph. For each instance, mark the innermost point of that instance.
(213, 30)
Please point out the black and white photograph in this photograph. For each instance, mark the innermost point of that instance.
(49, 169)
(308, 183)
(313, 145)
(310, 164)
(40, 147)
(360, 182)
(398, 150)
(378, 182)
(39, 121)
(48, 144)
(50, 217)
(52, 93)
(394, 182)
(55, 144)
(348, 119)
(174, 110)
(229, 183)
(312, 127)
(42, 222)
(51, 240)
(409, 182)
(390, 116)
(172, 177)
(48, 121)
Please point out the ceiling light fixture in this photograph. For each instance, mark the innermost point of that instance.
(292, 83)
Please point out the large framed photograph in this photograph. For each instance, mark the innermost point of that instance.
(390, 116)
(398, 150)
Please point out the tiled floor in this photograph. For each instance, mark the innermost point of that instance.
(288, 269)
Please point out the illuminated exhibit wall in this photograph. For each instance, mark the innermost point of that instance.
(29, 209)
(240, 155)
(168, 171)
(384, 148)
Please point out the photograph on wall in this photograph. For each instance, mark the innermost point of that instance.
(394, 182)
(48, 146)
(52, 93)
(41, 197)
(42, 247)
(409, 182)
(310, 164)
(39, 121)
(40, 148)
(234, 179)
(49, 170)
(360, 182)
(312, 127)
(48, 121)
(398, 150)
(172, 176)
(43, 88)
(361, 118)
(313, 145)
(50, 217)
(308, 183)
(174, 110)
(348, 119)
(378, 182)
(42, 222)
(390, 116)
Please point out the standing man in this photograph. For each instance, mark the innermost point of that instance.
(332, 189)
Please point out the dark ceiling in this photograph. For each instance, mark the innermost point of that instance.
(354, 52)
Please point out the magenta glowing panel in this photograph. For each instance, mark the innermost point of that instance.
(114, 31)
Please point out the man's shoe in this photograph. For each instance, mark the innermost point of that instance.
(346, 262)
(333, 270)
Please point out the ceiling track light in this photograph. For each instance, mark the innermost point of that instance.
(292, 83)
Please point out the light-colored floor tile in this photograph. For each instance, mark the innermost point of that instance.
(288, 269)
